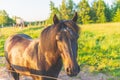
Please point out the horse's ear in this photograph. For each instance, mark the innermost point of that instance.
(75, 17)
(55, 19)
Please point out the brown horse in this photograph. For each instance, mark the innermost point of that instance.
(45, 56)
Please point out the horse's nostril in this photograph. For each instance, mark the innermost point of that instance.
(68, 70)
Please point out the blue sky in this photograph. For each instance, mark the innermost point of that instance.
(31, 10)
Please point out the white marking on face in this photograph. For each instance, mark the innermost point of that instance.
(68, 29)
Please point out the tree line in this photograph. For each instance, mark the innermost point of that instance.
(97, 12)
(5, 19)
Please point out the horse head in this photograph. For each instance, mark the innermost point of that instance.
(66, 40)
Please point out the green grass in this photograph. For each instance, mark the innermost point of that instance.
(98, 45)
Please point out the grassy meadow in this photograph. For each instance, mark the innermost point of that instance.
(98, 45)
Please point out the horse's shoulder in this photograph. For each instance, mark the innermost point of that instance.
(33, 46)
(32, 50)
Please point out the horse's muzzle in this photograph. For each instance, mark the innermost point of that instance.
(73, 71)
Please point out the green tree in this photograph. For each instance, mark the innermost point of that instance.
(116, 18)
(98, 8)
(63, 10)
(14, 18)
(54, 10)
(3, 17)
(84, 12)
(10, 22)
(108, 13)
(70, 8)
(93, 12)
(115, 7)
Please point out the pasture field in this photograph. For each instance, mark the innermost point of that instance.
(98, 45)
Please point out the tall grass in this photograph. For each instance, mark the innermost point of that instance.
(98, 45)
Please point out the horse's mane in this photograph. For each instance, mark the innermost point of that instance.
(47, 39)
(48, 35)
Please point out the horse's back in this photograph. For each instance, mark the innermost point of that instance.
(17, 40)
(24, 36)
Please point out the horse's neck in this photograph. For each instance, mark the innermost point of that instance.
(49, 58)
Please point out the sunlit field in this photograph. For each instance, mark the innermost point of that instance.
(98, 45)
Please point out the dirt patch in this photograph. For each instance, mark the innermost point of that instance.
(83, 75)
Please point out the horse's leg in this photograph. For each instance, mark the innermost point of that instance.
(10, 68)
(15, 75)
